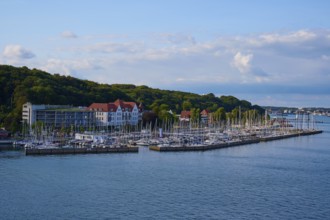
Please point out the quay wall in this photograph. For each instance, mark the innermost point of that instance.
(59, 151)
(232, 144)
(6, 141)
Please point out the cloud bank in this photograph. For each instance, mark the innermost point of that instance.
(17, 52)
(265, 63)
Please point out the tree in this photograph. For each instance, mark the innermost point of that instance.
(195, 115)
(164, 107)
(213, 108)
(234, 116)
(149, 117)
(186, 105)
(20, 85)
(220, 115)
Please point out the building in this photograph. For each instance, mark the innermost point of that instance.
(57, 116)
(205, 116)
(185, 116)
(117, 113)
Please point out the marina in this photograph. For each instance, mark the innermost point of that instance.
(198, 139)
(166, 137)
(230, 143)
(161, 145)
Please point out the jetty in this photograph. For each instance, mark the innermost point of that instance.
(93, 150)
(6, 141)
(254, 140)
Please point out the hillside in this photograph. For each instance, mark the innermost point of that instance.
(19, 85)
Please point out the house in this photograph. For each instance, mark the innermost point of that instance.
(185, 116)
(205, 116)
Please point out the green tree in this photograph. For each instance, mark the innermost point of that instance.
(220, 114)
(195, 115)
(186, 105)
(20, 85)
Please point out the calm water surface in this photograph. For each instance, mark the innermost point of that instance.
(286, 179)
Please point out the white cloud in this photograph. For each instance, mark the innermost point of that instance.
(68, 34)
(17, 52)
(297, 36)
(177, 39)
(69, 67)
(112, 47)
(242, 62)
(294, 58)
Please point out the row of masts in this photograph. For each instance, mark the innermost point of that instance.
(252, 124)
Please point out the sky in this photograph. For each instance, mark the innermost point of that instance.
(271, 53)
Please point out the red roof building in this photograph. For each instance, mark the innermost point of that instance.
(185, 115)
(116, 113)
(205, 116)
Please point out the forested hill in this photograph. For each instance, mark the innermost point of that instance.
(19, 85)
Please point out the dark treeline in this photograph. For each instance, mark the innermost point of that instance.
(20, 85)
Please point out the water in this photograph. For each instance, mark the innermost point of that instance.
(285, 179)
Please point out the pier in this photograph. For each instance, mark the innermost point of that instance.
(6, 141)
(95, 150)
(231, 143)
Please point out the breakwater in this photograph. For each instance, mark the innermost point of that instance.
(95, 150)
(253, 140)
(6, 141)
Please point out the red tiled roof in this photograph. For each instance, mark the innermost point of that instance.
(125, 105)
(205, 112)
(110, 107)
(100, 107)
(185, 114)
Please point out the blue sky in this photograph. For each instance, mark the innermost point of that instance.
(267, 52)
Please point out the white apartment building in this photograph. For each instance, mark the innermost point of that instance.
(117, 113)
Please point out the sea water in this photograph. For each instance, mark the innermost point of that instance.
(284, 179)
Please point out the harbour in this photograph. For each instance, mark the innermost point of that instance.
(165, 110)
(164, 144)
(232, 143)
(171, 137)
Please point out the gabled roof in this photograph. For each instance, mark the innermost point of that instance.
(102, 107)
(125, 105)
(185, 114)
(111, 107)
(205, 112)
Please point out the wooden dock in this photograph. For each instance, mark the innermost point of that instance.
(232, 143)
